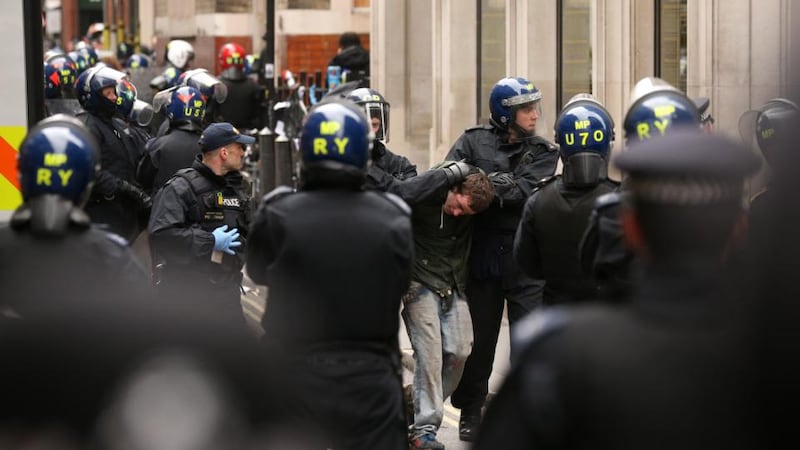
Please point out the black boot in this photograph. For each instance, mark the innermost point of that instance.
(468, 424)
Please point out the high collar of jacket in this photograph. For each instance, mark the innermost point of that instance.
(206, 171)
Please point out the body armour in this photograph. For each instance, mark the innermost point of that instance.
(208, 201)
(554, 221)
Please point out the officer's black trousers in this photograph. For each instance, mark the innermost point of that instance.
(352, 398)
(486, 300)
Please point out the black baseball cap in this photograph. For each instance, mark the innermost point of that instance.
(221, 134)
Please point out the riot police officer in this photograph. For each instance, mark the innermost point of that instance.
(556, 215)
(199, 227)
(657, 109)
(116, 200)
(312, 248)
(177, 149)
(394, 173)
(669, 370)
(178, 58)
(212, 91)
(516, 160)
(769, 127)
(60, 75)
(49, 251)
(244, 97)
(384, 161)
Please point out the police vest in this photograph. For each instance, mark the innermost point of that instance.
(559, 225)
(215, 207)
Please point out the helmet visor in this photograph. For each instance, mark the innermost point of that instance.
(521, 99)
(207, 84)
(378, 115)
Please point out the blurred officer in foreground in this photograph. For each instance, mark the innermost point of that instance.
(116, 200)
(516, 159)
(670, 370)
(51, 236)
(241, 108)
(177, 149)
(312, 248)
(556, 215)
(199, 227)
(657, 109)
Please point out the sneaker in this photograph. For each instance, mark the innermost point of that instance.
(468, 425)
(425, 441)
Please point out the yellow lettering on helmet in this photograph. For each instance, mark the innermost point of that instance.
(320, 146)
(54, 159)
(599, 135)
(65, 176)
(584, 137)
(569, 138)
(664, 110)
(327, 128)
(643, 130)
(661, 125)
(581, 124)
(341, 144)
(767, 133)
(43, 177)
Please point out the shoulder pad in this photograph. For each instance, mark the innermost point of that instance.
(397, 201)
(607, 200)
(535, 327)
(278, 192)
(117, 239)
(479, 127)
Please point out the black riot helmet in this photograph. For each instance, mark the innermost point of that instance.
(769, 125)
(376, 108)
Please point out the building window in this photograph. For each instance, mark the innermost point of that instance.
(671, 42)
(307, 4)
(575, 50)
(491, 51)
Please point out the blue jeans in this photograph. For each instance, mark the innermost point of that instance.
(440, 330)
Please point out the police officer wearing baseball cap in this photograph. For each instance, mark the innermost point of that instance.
(668, 370)
(199, 226)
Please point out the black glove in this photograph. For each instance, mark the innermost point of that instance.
(502, 179)
(457, 171)
(134, 193)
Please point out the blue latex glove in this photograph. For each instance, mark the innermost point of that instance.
(226, 241)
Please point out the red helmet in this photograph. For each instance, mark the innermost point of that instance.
(231, 55)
